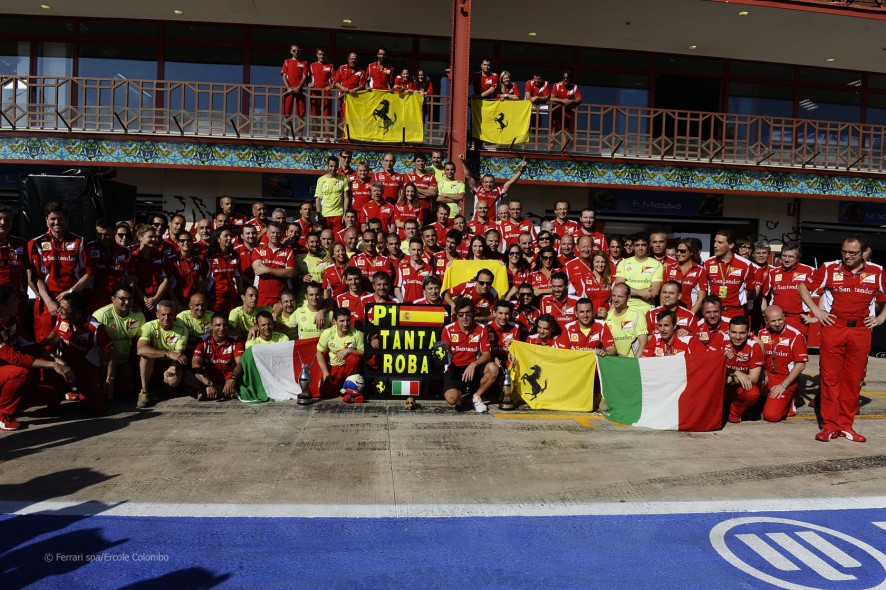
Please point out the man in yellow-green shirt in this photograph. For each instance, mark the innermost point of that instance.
(242, 318)
(197, 318)
(310, 265)
(123, 324)
(264, 324)
(628, 326)
(642, 273)
(311, 318)
(339, 353)
(332, 195)
(451, 190)
(161, 349)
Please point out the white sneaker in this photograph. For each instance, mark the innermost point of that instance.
(479, 406)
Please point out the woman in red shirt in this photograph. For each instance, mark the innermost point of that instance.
(518, 270)
(546, 264)
(600, 290)
(507, 90)
(151, 272)
(407, 208)
(225, 280)
(334, 276)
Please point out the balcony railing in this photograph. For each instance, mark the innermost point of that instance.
(237, 111)
(195, 109)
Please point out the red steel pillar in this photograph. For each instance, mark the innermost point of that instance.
(460, 77)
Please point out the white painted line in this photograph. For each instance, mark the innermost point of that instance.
(882, 525)
(767, 552)
(829, 549)
(437, 510)
(813, 561)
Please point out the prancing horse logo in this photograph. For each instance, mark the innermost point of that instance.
(532, 379)
(381, 113)
(500, 121)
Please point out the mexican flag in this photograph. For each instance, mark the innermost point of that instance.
(682, 392)
(270, 371)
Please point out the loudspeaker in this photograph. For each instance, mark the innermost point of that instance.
(85, 196)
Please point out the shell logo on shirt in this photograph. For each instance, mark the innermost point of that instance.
(764, 339)
(64, 326)
(838, 276)
(703, 336)
(573, 337)
(455, 337)
(45, 246)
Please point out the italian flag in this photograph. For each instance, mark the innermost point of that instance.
(682, 392)
(270, 371)
(405, 387)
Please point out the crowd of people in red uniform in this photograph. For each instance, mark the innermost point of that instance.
(234, 279)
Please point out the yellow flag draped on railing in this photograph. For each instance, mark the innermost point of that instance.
(501, 121)
(553, 378)
(383, 116)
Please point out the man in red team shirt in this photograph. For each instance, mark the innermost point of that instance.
(727, 276)
(380, 74)
(16, 368)
(471, 372)
(423, 179)
(586, 222)
(295, 75)
(670, 301)
(481, 222)
(274, 266)
(226, 206)
(322, 75)
(14, 262)
(216, 362)
(81, 342)
(782, 282)
(853, 285)
(588, 333)
(360, 186)
(391, 181)
(711, 328)
(412, 273)
(515, 225)
(562, 225)
(350, 299)
(106, 263)
(479, 292)
(538, 92)
(376, 208)
(785, 357)
(744, 365)
(487, 191)
(565, 96)
(370, 261)
(57, 263)
(485, 82)
(259, 219)
(349, 79)
(658, 245)
(559, 302)
(503, 330)
(666, 342)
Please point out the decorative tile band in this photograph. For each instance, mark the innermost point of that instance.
(286, 157)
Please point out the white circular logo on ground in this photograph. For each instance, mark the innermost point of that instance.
(798, 555)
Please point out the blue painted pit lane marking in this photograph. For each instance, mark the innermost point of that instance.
(655, 548)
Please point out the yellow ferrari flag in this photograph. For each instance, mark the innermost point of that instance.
(462, 271)
(381, 115)
(501, 121)
(553, 378)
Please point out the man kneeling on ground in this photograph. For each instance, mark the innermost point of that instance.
(216, 362)
(344, 347)
(470, 374)
(161, 346)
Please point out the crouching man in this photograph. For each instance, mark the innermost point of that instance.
(161, 346)
(216, 362)
(343, 345)
(470, 374)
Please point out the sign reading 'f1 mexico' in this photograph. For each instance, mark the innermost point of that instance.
(401, 359)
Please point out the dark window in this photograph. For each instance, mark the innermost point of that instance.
(118, 28)
(536, 52)
(614, 59)
(223, 65)
(369, 43)
(830, 105)
(752, 69)
(684, 63)
(434, 45)
(307, 40)
(118, 60)
(197, 31)
(761, 99)
(826, 76)
(37, 26)
(14, 59)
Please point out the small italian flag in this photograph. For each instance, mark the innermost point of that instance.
(405, 387)
(682, 392)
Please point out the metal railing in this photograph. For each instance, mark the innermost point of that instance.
(196, 109)
(207, 110)
(724, 138)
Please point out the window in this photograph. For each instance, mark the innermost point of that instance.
(36, 26)
(433, 45)
(204, 32)
(119, 28)
(751, 69)
(614, 59)
(222, 65)
(820, 104)
(369, 42)
(14, 58)
(761, 99)
(536, 52)
(265, 65)
(683, 63)
(827, 76)
(54, 59)
(118, 60)
(307, 40)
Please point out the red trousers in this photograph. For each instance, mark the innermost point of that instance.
(776, 408)
(44, 321)
(13, 381)
(843, 361)
(794, 321)
(740, 400)
(321, 104)
(331, 386)
(334, 223)
(298, 100)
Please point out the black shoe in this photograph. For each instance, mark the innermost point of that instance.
(465, 402)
